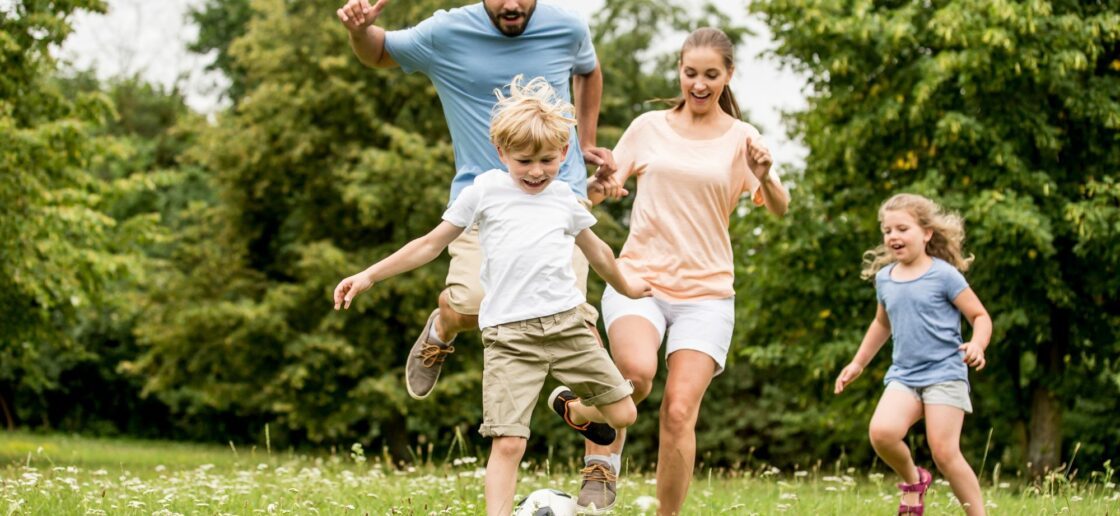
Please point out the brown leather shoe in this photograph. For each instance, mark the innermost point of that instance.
(597, 494)
(425, 360)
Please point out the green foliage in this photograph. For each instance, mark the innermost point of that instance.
(322, 167)
(1006, 112)
(59, 249)
(80, 214)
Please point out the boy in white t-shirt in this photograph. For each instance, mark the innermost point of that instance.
(530, 323)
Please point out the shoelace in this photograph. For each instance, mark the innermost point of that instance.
(598, 473)
(432, 353)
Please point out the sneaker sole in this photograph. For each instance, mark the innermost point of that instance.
(555, 394)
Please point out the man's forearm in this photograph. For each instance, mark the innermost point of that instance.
(369, 46)
(588, 91)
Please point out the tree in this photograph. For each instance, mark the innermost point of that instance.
(63, 246)
(1005, 111)
(321, 167)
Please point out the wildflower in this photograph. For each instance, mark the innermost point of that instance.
(646, 502)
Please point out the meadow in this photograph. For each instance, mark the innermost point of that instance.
(60, 474)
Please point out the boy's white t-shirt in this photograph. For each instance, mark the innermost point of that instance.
(527, 243)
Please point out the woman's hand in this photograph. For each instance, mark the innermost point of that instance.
(637, 289)
(760, 159)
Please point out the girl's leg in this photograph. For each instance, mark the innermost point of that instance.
(690, 373)
(897, 411)
(501, 474)
(943, 430)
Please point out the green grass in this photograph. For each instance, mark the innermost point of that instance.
(55, 474)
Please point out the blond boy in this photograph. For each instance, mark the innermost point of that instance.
(527, 224)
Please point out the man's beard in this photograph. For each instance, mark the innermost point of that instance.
(496, 19)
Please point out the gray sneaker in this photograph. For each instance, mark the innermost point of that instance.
(597, 494)
(421, 370)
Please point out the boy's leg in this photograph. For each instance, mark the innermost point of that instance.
(457, 312)
(943, 430)
(619, 414)
(501, 474)
(514, 367)
(897, 411)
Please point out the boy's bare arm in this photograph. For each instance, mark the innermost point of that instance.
(601, 258)
(414, 254)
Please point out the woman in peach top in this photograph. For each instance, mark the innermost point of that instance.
(694, 162)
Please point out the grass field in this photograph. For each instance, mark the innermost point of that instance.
(56, 474)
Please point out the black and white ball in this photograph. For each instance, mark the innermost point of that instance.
(546, 502)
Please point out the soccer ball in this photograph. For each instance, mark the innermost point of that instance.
(546, 502)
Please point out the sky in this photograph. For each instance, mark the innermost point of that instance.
(149, 38)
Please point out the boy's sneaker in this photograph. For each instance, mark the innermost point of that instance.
(425, 359)
(598, 433)
(597, 494)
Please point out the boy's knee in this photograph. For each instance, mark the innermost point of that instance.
(508, 447)
(451, 320)
(622, 415)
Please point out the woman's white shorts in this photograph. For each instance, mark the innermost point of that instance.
(704, 326)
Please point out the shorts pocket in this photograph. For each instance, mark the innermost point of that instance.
(490, 335)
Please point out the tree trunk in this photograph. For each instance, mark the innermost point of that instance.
(7, 413)
(396, 437)
(1045, 448)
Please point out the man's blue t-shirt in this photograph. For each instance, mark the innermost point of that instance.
(467, 58)
(925, 325)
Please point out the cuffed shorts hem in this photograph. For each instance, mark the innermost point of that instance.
(504, 431)
(618, 393)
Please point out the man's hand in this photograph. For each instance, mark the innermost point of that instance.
(602, 158)
(358, 15)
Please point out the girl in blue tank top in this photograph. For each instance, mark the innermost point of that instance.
(922, 295)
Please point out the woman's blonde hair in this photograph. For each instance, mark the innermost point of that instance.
(531, 118)
(946, 242)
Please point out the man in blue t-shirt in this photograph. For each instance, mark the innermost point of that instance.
(468, 52)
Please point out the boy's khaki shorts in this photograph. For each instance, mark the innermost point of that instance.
(464, 285)
(517, 356)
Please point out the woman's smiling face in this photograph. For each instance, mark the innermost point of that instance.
(703, 77)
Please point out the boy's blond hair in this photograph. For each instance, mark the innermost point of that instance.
(531, 118)
(946, 243)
